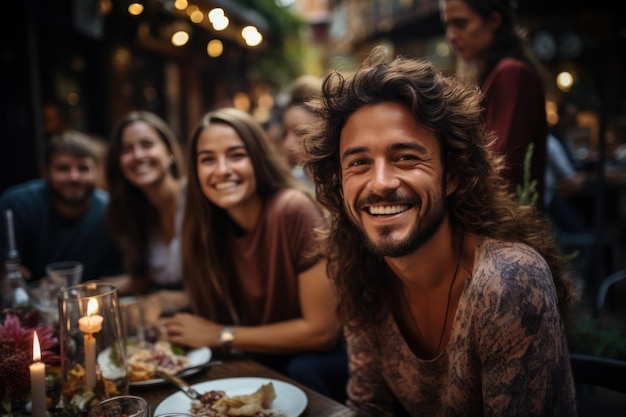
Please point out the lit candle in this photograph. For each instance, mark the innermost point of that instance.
(38, 381)
(90, 324)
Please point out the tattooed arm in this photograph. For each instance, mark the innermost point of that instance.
(525, 362)
(367, 390)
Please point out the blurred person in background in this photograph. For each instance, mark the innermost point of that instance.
(54, 123)
(252, 261)
(273, 127)
(145, 176)
(493, 54)
(296, 116)
(62, 216)
(567, 113)
(563, 183)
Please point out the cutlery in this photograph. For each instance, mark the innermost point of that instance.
(183, 385)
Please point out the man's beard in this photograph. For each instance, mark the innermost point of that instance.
(423, 229)
(59, 195)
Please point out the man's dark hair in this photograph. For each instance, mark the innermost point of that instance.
(74, 143)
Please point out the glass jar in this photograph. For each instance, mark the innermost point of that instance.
(93, 351)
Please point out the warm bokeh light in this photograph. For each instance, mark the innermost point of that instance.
(218, 19)
(180, 38)
(181, 4)
(215, 14)
(221, 24)
(105, 6)
(121, 59)
(551, 112)
(135, 9)
(261, 114)
(215, 48)
(564, 80)
(251, 36)
(241, 101)
(191, 9)
(265, 100)
(196, 16)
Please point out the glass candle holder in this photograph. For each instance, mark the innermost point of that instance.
(93, 351)
(124, 405)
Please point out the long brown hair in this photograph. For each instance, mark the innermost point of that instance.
(207, 262)
(130, 214)
(481, 204)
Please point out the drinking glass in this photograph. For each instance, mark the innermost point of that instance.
(65, 273)
(123, 405)
(45, 295)
(93, 351)
(133, 321)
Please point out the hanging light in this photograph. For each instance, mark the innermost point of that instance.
(218, 19)
(135, 9)
(179, 32)
(565, 80)
(251, 35)
(180, 38)
(181, 4)
(215, 48)
(196, 16)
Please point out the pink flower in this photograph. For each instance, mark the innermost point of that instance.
(16, 355)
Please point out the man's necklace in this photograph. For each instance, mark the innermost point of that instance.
(445, 320)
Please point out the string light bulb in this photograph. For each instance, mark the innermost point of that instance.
(135, 9)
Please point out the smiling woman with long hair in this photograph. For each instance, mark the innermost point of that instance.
(144, 175)
(251, 259)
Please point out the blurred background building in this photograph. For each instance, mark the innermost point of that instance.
(85, 63)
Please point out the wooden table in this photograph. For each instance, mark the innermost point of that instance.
(318, 405)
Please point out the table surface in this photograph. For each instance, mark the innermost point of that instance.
(318, 405)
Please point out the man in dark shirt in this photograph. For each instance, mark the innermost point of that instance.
(61, 216)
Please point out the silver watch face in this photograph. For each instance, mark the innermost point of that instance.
(226, 335)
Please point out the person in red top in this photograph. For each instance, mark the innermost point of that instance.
(493, 54)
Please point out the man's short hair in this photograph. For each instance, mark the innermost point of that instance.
(74, 143)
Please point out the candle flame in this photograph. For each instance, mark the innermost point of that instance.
(92, 307)
(36, 348)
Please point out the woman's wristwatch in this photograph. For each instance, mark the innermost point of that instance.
(226, 336)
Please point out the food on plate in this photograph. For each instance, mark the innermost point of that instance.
(143, 360)
(216, 403)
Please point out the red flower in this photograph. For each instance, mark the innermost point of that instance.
(14, 372)
(16, 355)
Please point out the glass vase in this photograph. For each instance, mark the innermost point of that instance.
(92, 346)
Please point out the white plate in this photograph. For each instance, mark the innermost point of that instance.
(289, 398)
(196, 357)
